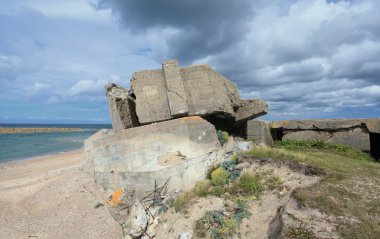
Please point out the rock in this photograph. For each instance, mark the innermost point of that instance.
(243, 145)
(186, 235)
(150, 231)
(249, 109)
(259, 132)
(241, 166)
(121, 107)
(130, 158)
(136, 222)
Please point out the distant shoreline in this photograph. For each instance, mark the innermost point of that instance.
(40, 157)
(5, 130)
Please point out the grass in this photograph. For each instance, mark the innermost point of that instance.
(249, 184)
(233, 186)
(299, 233)
(220, 224)
(350, 191)
(219, 176)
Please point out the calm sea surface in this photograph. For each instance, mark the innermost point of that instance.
(29, 145)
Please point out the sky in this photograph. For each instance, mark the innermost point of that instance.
(305, 58)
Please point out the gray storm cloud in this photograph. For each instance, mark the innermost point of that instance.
(317, 55)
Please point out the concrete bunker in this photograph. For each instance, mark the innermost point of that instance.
(363, 134)
(165, 126)
(375, 145)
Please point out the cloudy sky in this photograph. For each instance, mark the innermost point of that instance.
(306, 58)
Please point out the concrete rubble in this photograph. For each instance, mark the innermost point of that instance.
(165, 126)
(164, 129)
(174, 92)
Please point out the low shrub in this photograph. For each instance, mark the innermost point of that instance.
(182, 200)
(273, 182)
(220, 225)
(299, 233)
(249, 183)
(222, 136)
(202, 188)
(220, 177)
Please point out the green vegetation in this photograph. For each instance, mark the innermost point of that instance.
(342, 150)
(249, 184)
(225, 181)
(220, 224)
(182, 200)
(222, 136)
(350, 191)
(298, 233)
(219, 176)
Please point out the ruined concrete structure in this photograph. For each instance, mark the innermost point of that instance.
(363, 134)
(182, 149)
(173, 92)
(165, 126)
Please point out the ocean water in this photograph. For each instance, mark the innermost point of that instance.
(30, 145)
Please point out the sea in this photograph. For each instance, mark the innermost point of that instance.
(31, 145)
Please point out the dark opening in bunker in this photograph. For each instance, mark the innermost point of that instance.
(277, 133)
(375, 145)
(224, 123)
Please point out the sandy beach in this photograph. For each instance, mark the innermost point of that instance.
(50, 197)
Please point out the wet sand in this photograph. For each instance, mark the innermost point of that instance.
(50, 197)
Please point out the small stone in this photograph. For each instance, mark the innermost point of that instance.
(186, 235)
(137, 221)
(241, 166)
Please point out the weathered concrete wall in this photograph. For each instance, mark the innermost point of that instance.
(121, 107)
(259, 131)
(250, 109)
(173, 92)
(352, 132)
(176, 92)
(373, 125)
(182, 149)
(149, 88)
(207, 91)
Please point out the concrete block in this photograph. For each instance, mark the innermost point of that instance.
(259, 131)
(131, 157)
(121, 107)
(176, 93)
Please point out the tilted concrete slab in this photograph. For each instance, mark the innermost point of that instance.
(182, 149)
(149, 88)
(173, 92)
(250, 109)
